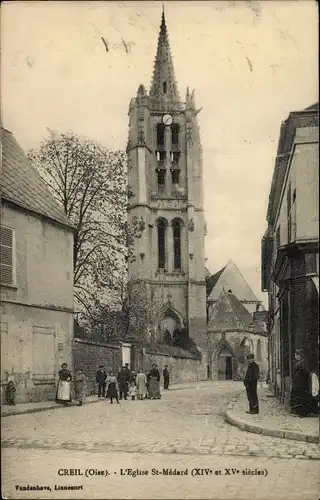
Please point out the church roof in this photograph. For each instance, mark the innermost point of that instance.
(230, 278)
(23, 186)
(212, 280)
(164, 93)
(230, 314)
(313, 107)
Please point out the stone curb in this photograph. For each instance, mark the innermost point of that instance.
(43, 408)
(232, 419)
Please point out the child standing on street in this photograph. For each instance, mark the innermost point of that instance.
(112, 388)
(10, 393)
(133, 391)
(80, 383)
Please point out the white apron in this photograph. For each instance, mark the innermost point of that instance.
(64, 390)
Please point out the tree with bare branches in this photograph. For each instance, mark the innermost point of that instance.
(134, 318)
(89, 182)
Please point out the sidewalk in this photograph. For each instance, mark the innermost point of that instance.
(21, 408)
(273, 419)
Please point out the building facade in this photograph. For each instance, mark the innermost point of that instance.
(36, 279)
(233, 328)
(290, 249)
(166, 180)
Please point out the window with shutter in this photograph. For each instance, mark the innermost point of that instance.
(6, 255)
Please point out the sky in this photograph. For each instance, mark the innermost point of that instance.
(251, 63)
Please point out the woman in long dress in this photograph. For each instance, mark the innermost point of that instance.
(302, 402)
(63, 395)
(141, 381)
(80, 383)
(154, 383)
(112, 388)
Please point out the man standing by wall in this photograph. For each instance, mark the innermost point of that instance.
(250, 382)
(101, 378)
(166, 378)
(123, 378)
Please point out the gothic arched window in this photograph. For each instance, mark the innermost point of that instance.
(176, 226)
(164, 86)
(160, 135)
(162, 227)
(175, 129)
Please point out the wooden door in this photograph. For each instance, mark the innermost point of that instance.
(228, 367)
(221, 367)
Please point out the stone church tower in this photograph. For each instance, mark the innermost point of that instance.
(166, 178)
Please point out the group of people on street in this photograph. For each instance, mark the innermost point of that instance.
(147, 386)
(136, 385)
(129, 383)
(302, 402)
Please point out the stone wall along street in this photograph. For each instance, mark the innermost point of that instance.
(182, 365)
(88, 355)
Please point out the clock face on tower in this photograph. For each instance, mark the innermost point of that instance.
(167, 120)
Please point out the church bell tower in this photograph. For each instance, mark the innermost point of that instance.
(165, 177)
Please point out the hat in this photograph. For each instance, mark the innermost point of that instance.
(299, 351)
(250, 356)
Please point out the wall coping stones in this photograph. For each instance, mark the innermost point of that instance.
(169, 351)
(95, 343)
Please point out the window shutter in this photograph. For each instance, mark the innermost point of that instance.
(6, 255)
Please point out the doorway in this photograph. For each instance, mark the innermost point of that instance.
(225, 365)
(228, 367)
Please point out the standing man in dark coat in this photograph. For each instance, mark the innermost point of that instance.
(166, 378)
(123, 378)
(302, 402)
(101, 378)
(129, 374)
(250, 382)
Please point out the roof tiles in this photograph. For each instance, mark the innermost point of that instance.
(23, 186)
(230, 314)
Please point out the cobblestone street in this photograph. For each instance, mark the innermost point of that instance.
(185, 429)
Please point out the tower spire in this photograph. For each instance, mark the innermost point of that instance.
(164, 93)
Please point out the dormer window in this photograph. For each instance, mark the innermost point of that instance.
(164, 87)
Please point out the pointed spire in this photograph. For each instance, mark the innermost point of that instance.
(164, 93)
(163, 26)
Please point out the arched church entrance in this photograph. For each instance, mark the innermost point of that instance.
(225, 364)
(168, 324)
